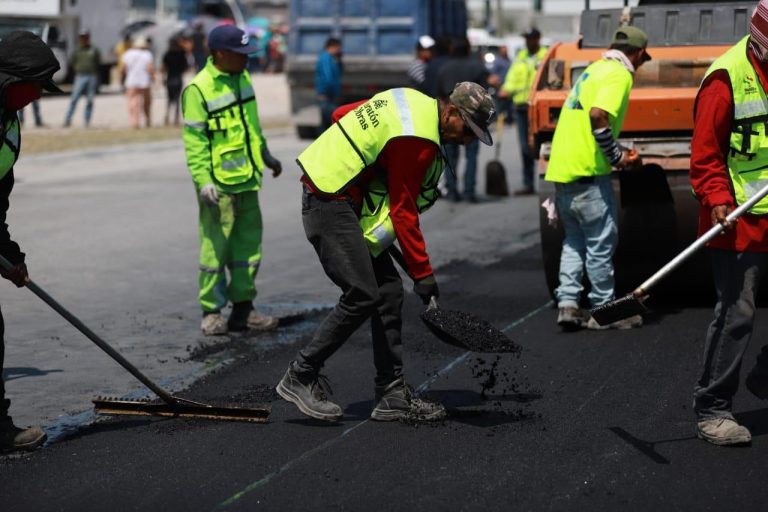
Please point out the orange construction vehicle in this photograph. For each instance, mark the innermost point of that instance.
(658, 213)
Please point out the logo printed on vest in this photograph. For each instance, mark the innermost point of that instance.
(367, 113)
(749, 85)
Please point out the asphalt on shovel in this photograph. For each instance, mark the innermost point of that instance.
(495, 174)
(461, 329)
(171, 406)
(632, 304)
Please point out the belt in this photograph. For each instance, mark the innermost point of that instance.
(585, 180)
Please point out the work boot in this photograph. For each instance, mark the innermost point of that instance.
(570, 318)
(757, 382)
(723, 431)
(244, 317)
(17, 439)
(396, 402)
(213, 324)
(308, 392)
(626, 323)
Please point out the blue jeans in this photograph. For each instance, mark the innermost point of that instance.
(35, 111)
(327, 106)
(737, 279)
(84, 84)
(589, 215)
(521, 118)
(470, 171)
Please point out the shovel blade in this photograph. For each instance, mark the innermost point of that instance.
(619, 309)
(467, 331)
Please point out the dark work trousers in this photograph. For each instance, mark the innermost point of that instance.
(371, 288)
(521, 118)
(737, 279)
(470, 167)
(4, 403)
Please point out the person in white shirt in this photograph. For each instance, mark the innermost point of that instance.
(139, 75)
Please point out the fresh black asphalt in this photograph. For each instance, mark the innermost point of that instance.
(580, 421)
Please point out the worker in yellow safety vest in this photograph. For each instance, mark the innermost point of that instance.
(226, 152)
(366, 179)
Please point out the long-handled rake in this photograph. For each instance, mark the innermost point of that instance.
(171, 406)
(632, 304)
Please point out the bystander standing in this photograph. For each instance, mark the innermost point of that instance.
(139, 75)
(417, 69)
(328, 80)
(85, 62)
(174, 65)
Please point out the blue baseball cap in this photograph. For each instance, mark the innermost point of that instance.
(229, 37)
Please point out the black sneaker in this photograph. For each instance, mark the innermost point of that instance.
(17, 439)
(396, 402)
(308, 393)
(757, 383)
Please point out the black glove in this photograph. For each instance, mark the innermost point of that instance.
(271, 162)
(426, 288)
(18, 275)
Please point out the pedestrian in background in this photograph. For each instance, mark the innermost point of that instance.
(726, 170)
(121, 47)
(328, 80)
(27, 66)
(417, 69)
(365, 181)
(441, 54)
(462, 67)
(35, 112)
(139, 75)
(517, 88)
(584, 150)
(199, 48)
(85, 62)
(499, 69)
(226, 153)
(174, 66)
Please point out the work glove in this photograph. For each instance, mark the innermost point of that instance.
(426, 288)
(18, 275)
(209, 195)
(271, 162)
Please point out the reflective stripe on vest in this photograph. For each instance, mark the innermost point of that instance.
(231, 128)
(10, 141)
(338, 157)
(748, 154)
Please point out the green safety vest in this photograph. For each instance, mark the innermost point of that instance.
(231, 127)
(748, 155)
(10, 143)
(340, 155)
(522, 73)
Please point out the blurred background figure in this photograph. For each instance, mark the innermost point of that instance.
(462, 67)
(85, 63)
(328, 80)
(199, 46)
(173, 68)
(36, 112)
(417, 69)
(517, 87)
(121, 47)
(139, 75)
(499, 69)
(441, 53)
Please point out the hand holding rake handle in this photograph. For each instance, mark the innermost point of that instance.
(632, 304)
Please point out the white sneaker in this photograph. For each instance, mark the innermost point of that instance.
(723, 431)
(259, 322)
(214, 325)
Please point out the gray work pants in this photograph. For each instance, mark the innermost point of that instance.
(737, 279)
(371, 288)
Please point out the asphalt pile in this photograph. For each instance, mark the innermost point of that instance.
(468, 331)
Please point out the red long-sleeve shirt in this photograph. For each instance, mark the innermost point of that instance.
(406, 161)
(709, 169)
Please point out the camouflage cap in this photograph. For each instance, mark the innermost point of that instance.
(476, 107)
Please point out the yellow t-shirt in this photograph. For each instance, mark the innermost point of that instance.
(605, 84)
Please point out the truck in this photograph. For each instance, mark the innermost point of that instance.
(378, 40)
(658, 214)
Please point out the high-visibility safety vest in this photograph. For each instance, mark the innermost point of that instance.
(748, 155)
(340, 155)
(10, 143)
(232, 127)
(522, 73)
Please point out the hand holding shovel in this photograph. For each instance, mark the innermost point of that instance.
(632, 304)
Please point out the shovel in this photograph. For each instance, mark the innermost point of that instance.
(495, 174)
(461, 329)
(633, 303)
(173, 406)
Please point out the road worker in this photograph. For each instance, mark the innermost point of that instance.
(27, 66)
(365, 181)
(584, 150)
(226, 153)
